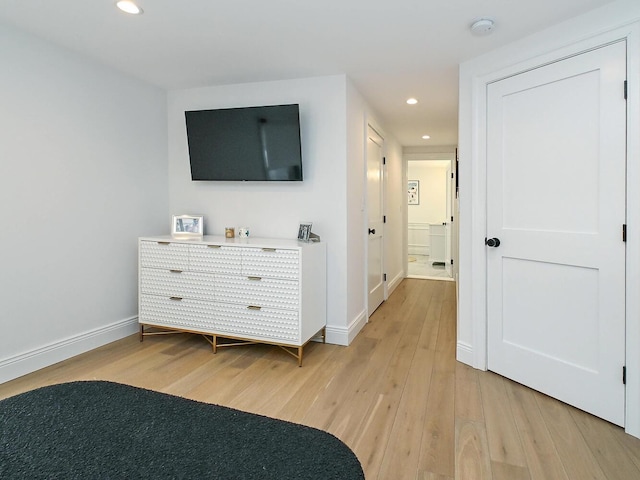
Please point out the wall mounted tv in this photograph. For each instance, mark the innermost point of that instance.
(245, 144)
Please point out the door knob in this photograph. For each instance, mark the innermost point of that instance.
(372, 231)
(492, 242)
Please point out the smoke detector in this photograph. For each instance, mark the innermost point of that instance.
(129, 6)
(482, 27)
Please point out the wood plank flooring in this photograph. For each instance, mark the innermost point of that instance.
(396, 396)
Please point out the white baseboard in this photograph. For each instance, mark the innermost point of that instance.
(19, 365)
(344, 336)
(464, 353)
(393, 284)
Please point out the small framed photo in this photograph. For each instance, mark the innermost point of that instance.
(413, 191)
(187, 226)
(304, 231)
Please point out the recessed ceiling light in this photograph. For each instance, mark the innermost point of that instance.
(426, 137)
(129, 7)
(412, 101)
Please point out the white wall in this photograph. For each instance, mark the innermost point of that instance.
(610, 23)
(83, 173)
(356, 221)
(432, 176)
(359, 117)
(395, 200)
(274, 209)
(333, 118)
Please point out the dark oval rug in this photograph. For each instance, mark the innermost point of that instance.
(106, 430)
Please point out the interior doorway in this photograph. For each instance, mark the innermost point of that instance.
(429, 219)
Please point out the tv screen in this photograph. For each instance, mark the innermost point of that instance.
(245, 144)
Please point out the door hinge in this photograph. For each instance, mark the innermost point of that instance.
(624, 232)
(384, 277)
(452, 261)
(384, 219)
(624, 375)
(452, 219)
(384, 160)
(625, 89)
(451, 174)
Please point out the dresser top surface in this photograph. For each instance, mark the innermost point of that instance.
(222, 240)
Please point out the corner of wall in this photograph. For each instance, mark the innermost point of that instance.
(393, 284)
(344, 335)
(464, 353)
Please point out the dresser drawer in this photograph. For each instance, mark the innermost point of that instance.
(263, 292)
(260, 324)
(176, 283)
(215, 258)
(188, 314)
(164, 255)
(271, 262)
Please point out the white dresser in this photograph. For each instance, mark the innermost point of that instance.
(247, 290)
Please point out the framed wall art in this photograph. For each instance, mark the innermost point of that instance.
(413, 190)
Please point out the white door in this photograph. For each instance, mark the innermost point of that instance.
(556, 203)
(375, 273)
(447, 228)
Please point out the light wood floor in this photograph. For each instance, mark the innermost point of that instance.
(396, 396)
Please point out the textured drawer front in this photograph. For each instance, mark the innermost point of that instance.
(164, 255)
(263, 292)
(266, 323)
(277, 263)
(177, 284)
(188, 314)
(205, 258)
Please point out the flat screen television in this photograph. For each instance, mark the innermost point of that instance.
(245, 144)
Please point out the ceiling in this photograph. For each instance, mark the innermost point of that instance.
(391, 49)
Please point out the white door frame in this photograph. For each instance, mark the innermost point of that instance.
(472, 312)
(448, 237)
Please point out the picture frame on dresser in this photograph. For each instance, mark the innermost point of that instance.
(304, 231)
(187, 226)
